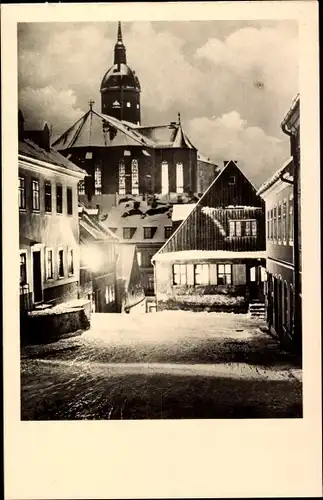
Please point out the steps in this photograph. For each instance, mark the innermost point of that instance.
(257, 309)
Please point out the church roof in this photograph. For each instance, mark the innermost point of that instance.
(99, 130)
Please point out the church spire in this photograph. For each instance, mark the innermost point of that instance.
(119, 48)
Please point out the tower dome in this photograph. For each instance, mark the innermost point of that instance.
(120, 87)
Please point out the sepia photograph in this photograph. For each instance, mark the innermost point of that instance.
(159, 220)
(161, 267)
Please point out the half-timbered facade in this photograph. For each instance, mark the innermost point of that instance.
(215, 258)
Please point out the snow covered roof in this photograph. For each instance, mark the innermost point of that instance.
(276, 176)
(200, 255)
(182, 210)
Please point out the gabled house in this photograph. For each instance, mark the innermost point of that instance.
(48, 222)
(215, 259)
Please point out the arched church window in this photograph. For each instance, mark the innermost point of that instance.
(122, 177)
(164, 178)
(134, 177)
(97, 180)
(179, 178)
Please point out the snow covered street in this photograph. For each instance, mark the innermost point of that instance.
(162, 365)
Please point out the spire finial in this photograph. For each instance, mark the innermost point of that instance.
(179, 118)
(91, 103)
(119, 32)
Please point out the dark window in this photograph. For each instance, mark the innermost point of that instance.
(232, 180)
(279, 222)
(49, 264)
(81, 188)
(275, 223)
(59, 199)
(35, 192)
(168, 232)
(22, 193)
(23, 269)
(201, 274)
(149, 232)
(128, 232)
(61, 263)
(48, 196)
(69, 194)
(179, 274)
(70, 262)
(146, 257)
(224, 274)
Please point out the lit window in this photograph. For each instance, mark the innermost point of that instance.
(134, 177)
(138, 106)
(49, 264)
(291, 221)
(247, 228)
(179, 274)
(164, 178)
(70, 262)
(201, 274)
(238, 228)
(59, 199)
(89, 155)
(122, 178)
(81, 188)
(232, 228)
(22, 193)
(224, 274)
(48, 197)
(168, 232)
(179, 178)
(139, 258)
(128, 105)
(97, 180)
(35, 192)
(69, 194)
(254, 228)
(61, 263)
(23, 269)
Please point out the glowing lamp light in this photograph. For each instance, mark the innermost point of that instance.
(92, 258)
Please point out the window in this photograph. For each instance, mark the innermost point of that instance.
(128, 104)
(275, 223)
(139, 258)
(179, 178)
(49, 264)
(179, 274)
(134, 177)
(164, 178)
(97, 180)
(59, 199)
(149, 232)
(89, 155)
(138, 106)
(122, 178)
(168, 232)
(201, 274)
(254, 228)
(224, 274)
(23, 269)
(279, 223)
(81, 188)
(128, 232)
(291, 221)
(35, 192)
(284, 224)
(247, 229)
(268, 224)
(146, 258)
(61, 263)
(48, 196)
(69, 194)
(70, 262)
(238, 228)
(22, 193)
(232, 180)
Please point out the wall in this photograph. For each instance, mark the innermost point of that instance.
(206, 173)
(132, 114)
(198, 297)
(50, 230)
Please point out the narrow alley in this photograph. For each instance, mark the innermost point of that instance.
(167, 365)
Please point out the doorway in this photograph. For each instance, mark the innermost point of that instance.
(257, 276)
(37, 281)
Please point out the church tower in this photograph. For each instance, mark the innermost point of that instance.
(120, 87)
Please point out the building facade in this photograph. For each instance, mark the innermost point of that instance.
(283, 233)
(215, 258)
(48, 224)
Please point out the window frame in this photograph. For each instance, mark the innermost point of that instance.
(164, 178)
(130, 232)
(48, 196)
(275, 224)
(279, 222)
(22, 192)
(134, 176)
(167, 229)
(23, 253)
(224, 274)
(35, 182)
(291, 219)
(70, 252)
(204, 266)
(181, 267)
(152, 233)
(59, 189)
(69, 201)
(60, 249)
(47, 251)
(284, 221)
(179, 178)
(122, 177)
(97, 180)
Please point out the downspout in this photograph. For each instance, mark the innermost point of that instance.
(297, 308)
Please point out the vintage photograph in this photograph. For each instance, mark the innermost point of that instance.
(159, 194)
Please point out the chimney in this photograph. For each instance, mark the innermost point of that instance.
(21, 121)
